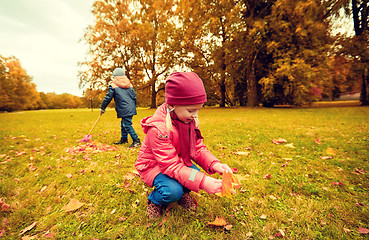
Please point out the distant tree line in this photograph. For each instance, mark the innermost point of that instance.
(248, 52)
(18, 92)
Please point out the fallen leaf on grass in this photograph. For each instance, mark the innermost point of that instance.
(289, 145)
(280, 233)
(279, 141)
(91, 147)
(27, 228)
(272, 197)
(19, 153)
(148, 225)
(49, 234)
(363, 230)
(129, 176)
(337, 184)
(4, 206)
(359, 171)
(267, 176)
(73, 204)
(242, 153)
(248, 235)
(218, 222)
(122, 219)
(31, 167)
(330, 151)
(163, 221)
(228, 227)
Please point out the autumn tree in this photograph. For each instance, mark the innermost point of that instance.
(207, 28)
(110, 44)
(299, 41)
(354, 48)
(252, 54)
(18, 92)
(358, 46)
(136, 35)
(157, 45)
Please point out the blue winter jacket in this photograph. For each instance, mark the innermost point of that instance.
(125, 101)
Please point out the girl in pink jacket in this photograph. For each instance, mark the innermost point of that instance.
(173, 143)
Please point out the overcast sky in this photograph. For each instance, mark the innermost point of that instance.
(45, 36)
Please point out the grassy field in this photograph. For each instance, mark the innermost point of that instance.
(314, 186)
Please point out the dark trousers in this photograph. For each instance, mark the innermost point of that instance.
(126, 128)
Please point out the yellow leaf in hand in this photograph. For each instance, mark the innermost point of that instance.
(230, 182)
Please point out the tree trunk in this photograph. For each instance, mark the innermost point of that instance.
(360, 17)
(153, 95)
(222, 84)
(364, 97)
(252, 91)
(222, 93)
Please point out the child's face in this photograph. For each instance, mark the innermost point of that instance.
(186, 113)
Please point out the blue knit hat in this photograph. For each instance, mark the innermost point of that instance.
(119, 72)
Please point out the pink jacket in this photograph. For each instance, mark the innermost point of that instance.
(158, 154)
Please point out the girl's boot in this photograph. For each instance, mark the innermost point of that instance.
(121, 141)
(188, 202)
(154, 210)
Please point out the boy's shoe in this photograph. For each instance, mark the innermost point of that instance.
(122, 141)
(188, 202)
(136, 143)
(154, 210)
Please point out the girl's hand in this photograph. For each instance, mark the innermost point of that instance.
(211, 185)
(220, 168)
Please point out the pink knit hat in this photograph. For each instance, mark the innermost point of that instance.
(184, 88)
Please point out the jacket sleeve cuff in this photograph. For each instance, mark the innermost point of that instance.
(211, 170)
(193, 179)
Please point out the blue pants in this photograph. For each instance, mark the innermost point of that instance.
(126, 128)
(167, 190)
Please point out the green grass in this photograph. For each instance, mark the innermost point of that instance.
(299, 197)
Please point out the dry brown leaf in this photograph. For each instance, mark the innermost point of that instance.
(363, 230)
(27, 228)
(279, 141)
(330, 151)
(73, 204)
(228, 227)
(129, 176)
(242, 153)
(219, 222)
(248, 235)
(263, 217)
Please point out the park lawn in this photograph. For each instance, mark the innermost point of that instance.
(314, 186)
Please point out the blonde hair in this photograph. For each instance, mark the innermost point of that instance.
(168, 120)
